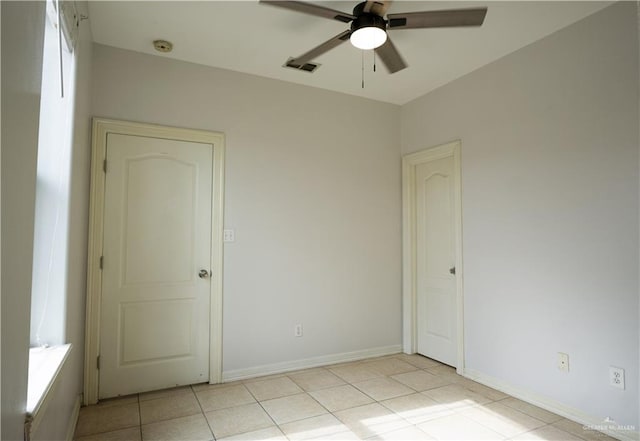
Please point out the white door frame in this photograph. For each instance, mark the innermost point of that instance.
(102, 127)
(409, 256)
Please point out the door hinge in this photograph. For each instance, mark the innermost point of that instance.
(98, 362)
(101, 262)
(104, 165)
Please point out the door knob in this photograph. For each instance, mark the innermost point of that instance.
(203, 274)
(452, 270)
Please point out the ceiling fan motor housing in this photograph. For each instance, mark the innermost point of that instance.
(367, 20)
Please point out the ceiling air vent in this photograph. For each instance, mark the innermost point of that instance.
(307, 67)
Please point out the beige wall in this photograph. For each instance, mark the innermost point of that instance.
(550, 210)
(312, 191)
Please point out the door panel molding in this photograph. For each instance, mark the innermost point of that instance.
(100, 129)
(409, 249)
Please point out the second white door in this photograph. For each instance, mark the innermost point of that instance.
(436, 291)
(157, 261)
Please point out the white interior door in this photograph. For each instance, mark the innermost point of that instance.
(154, 327)
(435, 260)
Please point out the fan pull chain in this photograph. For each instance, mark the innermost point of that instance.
(374, 60)
(362, 69)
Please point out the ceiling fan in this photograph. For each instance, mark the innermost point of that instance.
(369, 27)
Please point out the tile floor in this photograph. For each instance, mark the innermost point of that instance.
(398, 397)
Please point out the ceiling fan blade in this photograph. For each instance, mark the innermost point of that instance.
(437, 19)
(309, 8)
(390, 57)
(378, 7)
(324, 47)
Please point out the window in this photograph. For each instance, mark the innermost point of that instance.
(52, 189)
(48, 294)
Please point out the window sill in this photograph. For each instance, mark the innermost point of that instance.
(45, 365)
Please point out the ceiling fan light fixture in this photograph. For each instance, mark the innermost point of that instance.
(368, 32)
(368, 38)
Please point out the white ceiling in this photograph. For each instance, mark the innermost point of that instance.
(246, 36)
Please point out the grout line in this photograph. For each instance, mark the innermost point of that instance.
(139, 415)
(263, 409)
(326, 371)
(202, 412)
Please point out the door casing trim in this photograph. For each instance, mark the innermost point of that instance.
(100, 128)
(409, 264)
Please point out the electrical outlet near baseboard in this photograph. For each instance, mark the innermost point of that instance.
(616, 377)
(297, 331)
(563, 362)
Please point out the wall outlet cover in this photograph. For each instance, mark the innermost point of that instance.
(616, 377)
(563, 362)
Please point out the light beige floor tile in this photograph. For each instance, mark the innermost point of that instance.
(457, 427)
(390, 366)
(167, 408)
(268, 434)
(192, 428)
(531, 410)
(355, 372)
(502, 419)
(417, 408)
(236, 420)
(346, 364)
(447, 373)
(442, 369)
(341, 397)
(221, 398)
(97, 419)
(546, 433)
(263, 378)
(165, 393)
(448, 406)
(411, 433)
(313, 428)
(130, 434)
(118, 401)
(481, 389)
(580, 431)
(456, 396)
(421, 380)
(206, 386)
(316, 379)
(383, 388)
(292, 408)
(342, 436)
(419, 361)
(273, 388)
(370, 420)
(382, 357)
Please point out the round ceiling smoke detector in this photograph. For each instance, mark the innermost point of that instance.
(163, 45)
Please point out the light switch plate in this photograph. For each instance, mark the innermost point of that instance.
(229, 236)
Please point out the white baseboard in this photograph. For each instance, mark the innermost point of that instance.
(288, 366)
(551, 405)
(73, 421)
